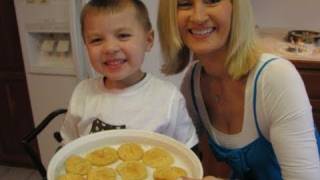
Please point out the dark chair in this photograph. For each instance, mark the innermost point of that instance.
(36, 160)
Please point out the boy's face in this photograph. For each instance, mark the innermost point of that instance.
(116, 44)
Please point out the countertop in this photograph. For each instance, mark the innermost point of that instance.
(274, 41)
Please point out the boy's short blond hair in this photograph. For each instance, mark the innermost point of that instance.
(243, 49)
(111, 6)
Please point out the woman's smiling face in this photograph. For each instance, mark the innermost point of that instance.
(204, 25)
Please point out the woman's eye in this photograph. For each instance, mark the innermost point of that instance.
(211, 1)
(184, 4)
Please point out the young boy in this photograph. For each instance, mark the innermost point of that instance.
(117, 34)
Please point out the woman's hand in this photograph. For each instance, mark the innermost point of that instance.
(205, 178)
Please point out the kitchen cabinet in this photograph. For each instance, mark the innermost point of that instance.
(15, 109)
(15, 119)
(310, 73)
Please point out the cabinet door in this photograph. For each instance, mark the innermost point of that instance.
(15, 121)
(311, 79)
(15, 109)
(11, 56)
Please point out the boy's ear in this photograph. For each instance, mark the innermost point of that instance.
(149, 40)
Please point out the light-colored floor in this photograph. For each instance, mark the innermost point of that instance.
(17, 173)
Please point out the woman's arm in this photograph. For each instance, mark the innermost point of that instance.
(291, 129)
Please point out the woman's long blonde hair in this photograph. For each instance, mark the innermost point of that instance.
(243, 49)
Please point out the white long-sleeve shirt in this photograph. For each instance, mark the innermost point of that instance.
(284, 116)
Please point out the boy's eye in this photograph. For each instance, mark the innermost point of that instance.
(124, 36)
(94, 40)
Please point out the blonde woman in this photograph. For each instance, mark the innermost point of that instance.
(253, 105)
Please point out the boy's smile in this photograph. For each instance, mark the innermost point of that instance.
(117, 42)
(114, 63)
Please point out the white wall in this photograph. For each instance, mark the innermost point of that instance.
(288, 14)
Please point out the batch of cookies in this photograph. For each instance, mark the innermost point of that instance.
(132, 163)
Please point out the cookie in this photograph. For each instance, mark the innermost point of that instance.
(71, 177)
(132, 170)
(130, 152)
(102, 173)
(103, 156)
(169, 173)
(77, 165)
(157, 157)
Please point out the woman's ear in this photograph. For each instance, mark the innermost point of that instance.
(149, 40)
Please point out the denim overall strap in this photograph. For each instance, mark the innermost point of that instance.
(255, 94)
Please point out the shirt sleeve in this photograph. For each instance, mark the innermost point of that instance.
(184, 130)
(291, 129)
(69, 128)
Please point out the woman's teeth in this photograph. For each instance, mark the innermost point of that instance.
(203, 31)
